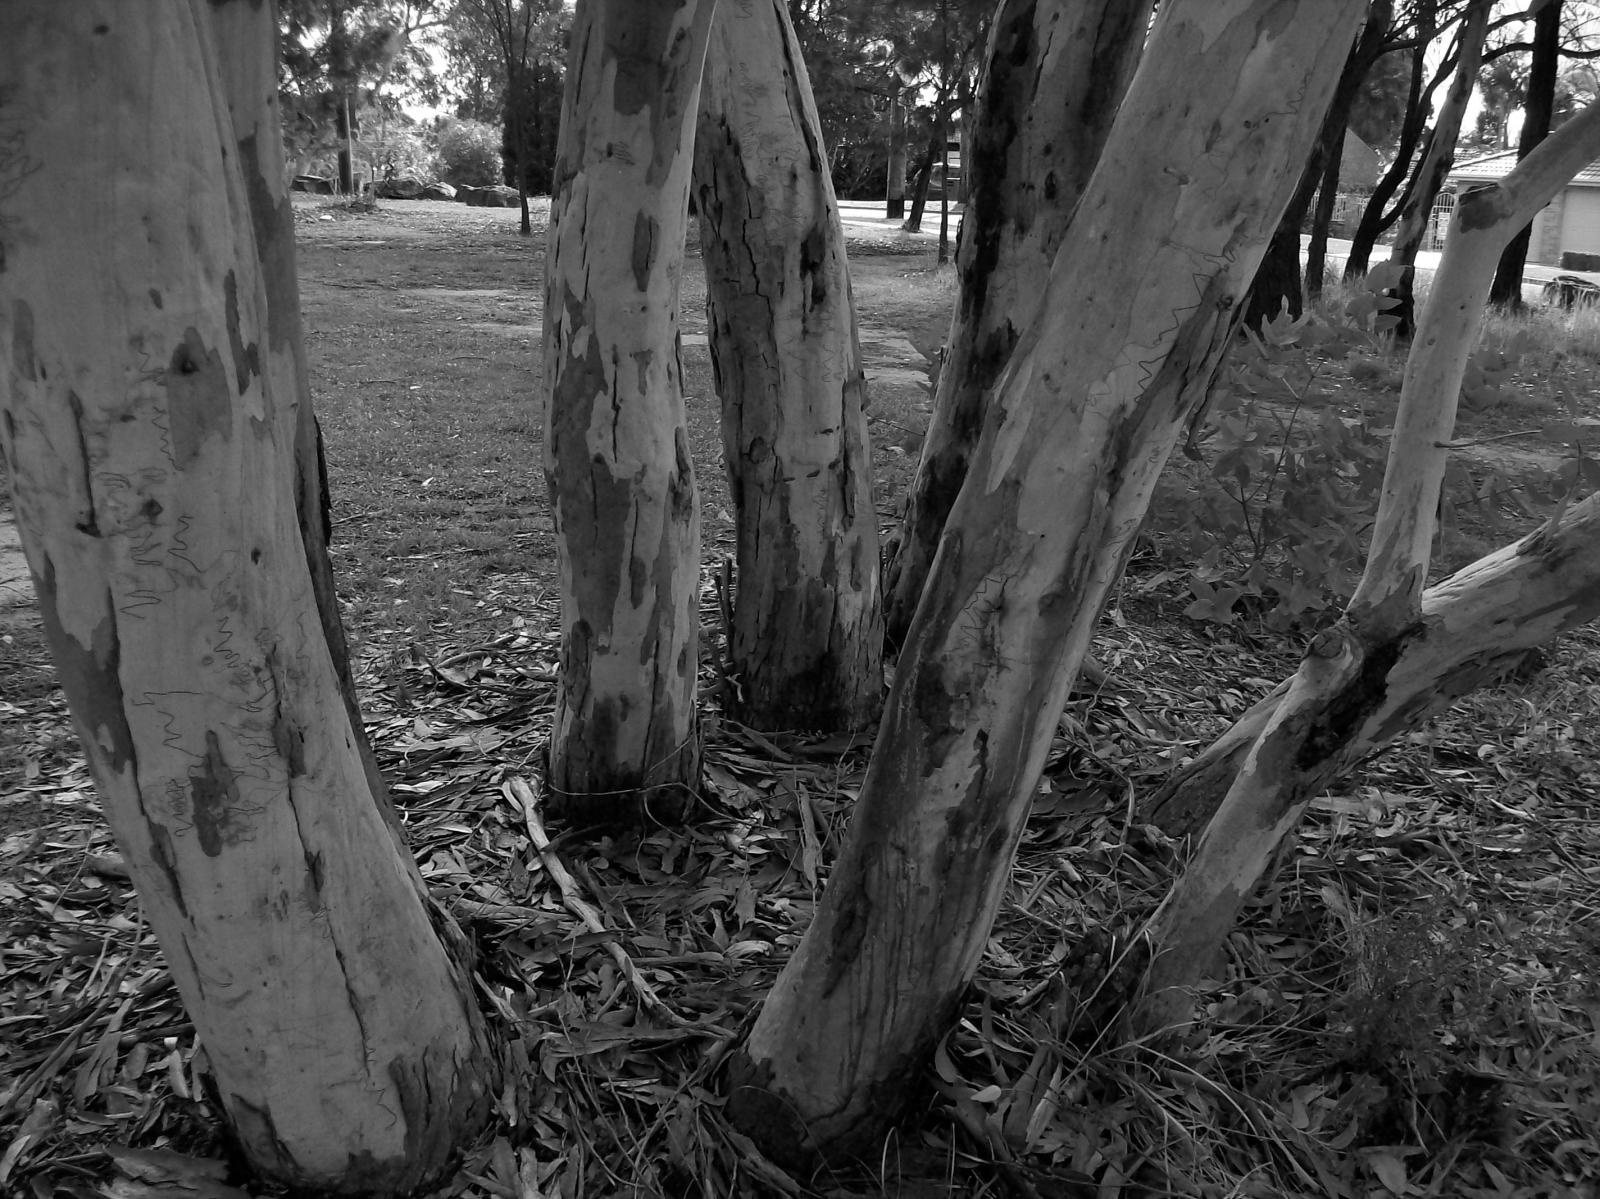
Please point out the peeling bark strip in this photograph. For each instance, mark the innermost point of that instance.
(1139, 305)
(151, 441)
(1389, 658)
(621, 483)
(807, 634)
(1056, 72)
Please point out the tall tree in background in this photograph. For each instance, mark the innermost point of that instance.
(1426, 19)
(806, 640)
(1435, 162)
(1137, 316)
(150, 422)
(335, 52)
(1277, 286)
(1055, 73)
(622, 488)
(528, 36)
(1537, 110)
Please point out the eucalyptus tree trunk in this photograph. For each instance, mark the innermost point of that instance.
(1397, 653)
(617, 458)
(1431, 170)
(807, 634)
(1056, 72)
(246, 41)
(1139, 305)
(151, 440)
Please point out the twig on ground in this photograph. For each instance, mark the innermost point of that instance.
(522, 794)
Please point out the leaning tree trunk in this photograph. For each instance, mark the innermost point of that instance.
(616, 447)
(1429, 176)
(1377, 672)
(1057, 70)
(807, 632)
(152, 457)
(1097, 392)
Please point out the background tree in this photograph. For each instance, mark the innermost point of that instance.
(806, 641)
(535, 96)
(1137, 316)
(621, 480)
(1277, 284)
(1425, 21)
(1437, 156)
(530, 37)
(1537, 110)
(335, 55)
(151, 425)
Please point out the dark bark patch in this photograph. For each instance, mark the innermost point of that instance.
(290, 742)
(646, 235)
(246, 358)
(273, 220)
(166, 860)
(814, 267)
(220, 819)
(23, 360)
(316, 878)
(89, 674)
(199, 402)
(1339, 723)
(849, 929)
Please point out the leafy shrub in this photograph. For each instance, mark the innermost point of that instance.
(1282, 472)
(469, 153)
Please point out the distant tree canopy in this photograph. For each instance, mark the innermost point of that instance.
(506, 66)
(861, 53)
(336, 58)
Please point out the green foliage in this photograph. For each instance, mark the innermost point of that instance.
(1284, 469)
(469, 152)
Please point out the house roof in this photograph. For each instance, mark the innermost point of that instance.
(1498, 166)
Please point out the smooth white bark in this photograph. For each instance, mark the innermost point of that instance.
(616, 447)
(152, 462)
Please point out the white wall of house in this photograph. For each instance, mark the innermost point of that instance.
(1580, 221)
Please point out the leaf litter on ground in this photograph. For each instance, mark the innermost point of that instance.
(1409, 1005)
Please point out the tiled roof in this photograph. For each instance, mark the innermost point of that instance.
(1498, 166)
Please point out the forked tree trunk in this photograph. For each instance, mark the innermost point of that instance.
(1377, 672)
(1430, 173)
(153, 465)
(616, 448)
(1475, 628)
(1056, 72)
(1137, 307)
(807, 630)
